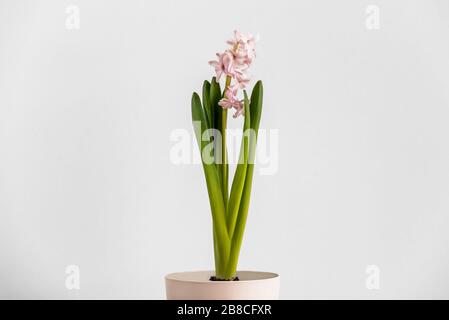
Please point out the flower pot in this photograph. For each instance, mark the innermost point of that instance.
(252, 285)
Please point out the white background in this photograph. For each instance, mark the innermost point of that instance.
(85, 123)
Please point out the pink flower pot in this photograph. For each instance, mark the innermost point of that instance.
(252, 285)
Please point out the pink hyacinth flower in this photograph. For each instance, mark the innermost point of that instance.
(242, 80)
(231, 101)
(235, 63)
(244, 46)
(224, 64)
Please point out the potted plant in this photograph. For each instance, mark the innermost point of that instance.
(229, 203)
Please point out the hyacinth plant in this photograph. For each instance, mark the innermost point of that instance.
(229, 207)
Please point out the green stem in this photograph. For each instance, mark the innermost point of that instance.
(236, 241)
(237, 234)
(240, 173)
(212, 181)
(219, 266)
(224, 154)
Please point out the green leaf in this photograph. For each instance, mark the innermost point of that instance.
(256, 105)
(236, 241)
(206, 103)
(214, 98)
(213, 185)
(240, 173)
